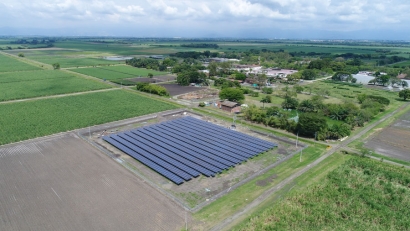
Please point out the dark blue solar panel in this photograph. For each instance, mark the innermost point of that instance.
(211, 142)
(233, 133)
(157, 157)
(230, 132)
(205, 168)
(174, 178)
(224, 140)
(164, 154)
(151, 157)
(242, 143)
(249, 140)
(218, 154)
(214, 160)
(188, 149)
(184, 148)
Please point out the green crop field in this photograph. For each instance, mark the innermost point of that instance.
(25, 120)
(9, 64)
(74, 61)
(29, 84)
(362, 194)
(117, 72)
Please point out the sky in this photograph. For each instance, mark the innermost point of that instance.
(268, 19)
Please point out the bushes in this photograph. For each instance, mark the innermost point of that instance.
(344, 83)
(382, 100)
(267, 90)
(152, 88)
(143, 63)
(254, 94)
(232, 94)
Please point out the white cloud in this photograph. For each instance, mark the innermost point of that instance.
(211, 15)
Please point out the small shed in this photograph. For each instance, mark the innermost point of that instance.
(229, 106)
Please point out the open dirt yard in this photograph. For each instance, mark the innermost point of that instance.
(64, 183)
(175, 89)
(155, 79)
(393, 141)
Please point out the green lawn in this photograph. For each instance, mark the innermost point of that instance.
(30, 119)
(117, 72)
(29, 84)
(8, 64)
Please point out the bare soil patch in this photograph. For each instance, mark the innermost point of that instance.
(265, 182)
(175, 89)
(63, 183)
(201, 94)
(393, 141)
(155, 79)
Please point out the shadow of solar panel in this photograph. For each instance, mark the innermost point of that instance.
(187, 147)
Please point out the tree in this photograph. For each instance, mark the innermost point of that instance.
(290, 103)
(232, 94)
(298, 88)
(56, 66)
(212, 67)
(266, 99)
(404, 94)
(342, 76)
(310, 124)
(309, 74)
(267, 90)
(306, 106)
(191, 76)
(150, 75)
(404, 84)
(240, 76)
(272, 111)
(21, 54)
(383, 79)
(261, 80)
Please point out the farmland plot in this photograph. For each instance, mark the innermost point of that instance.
(9, 64)
(361, 194)
(25, 120)
(116, 72)
(63, 183)
(74, 61)
(29, 84)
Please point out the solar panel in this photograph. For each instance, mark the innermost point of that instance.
(230, 142)
(187, 147)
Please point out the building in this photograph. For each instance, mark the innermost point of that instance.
(229, 106)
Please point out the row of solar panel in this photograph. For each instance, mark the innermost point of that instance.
(185, 147)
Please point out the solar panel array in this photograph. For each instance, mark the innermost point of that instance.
(187, 147)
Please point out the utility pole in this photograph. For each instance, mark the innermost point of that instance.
(297, 138)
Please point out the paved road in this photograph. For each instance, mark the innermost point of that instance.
(269, 192)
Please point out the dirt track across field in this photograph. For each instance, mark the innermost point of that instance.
(63, 183)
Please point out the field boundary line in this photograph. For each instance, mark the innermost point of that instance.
(89, 77)
(58, 96)
(28, 61)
